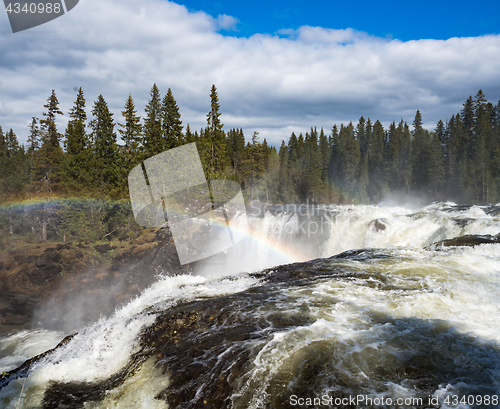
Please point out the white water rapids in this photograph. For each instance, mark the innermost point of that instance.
(420, 306)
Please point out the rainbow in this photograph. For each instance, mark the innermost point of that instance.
(249, 234)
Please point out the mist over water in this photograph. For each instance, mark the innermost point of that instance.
(400, 319)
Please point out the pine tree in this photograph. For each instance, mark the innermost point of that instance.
(236, 151)
(3, 160)
(285, 187)
(131, 135)
(420, 141)
(405, 164)
(392, 157)
(78, 154)
(171, 122)
(335, 152)
(104, 144)
(313, 186)
(48, 160)
(376, 165)
(33, 146)
(345, 162)
(325, 151)
(153, 142)
(457, 163)
(14, 173)
(293, 149)
(435, 165)
(300, 150)
(481, 146)
(190, 137)
(467, 116)
(254, 165)
(362, 137)
(215, 152)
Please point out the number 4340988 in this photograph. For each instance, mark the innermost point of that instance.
(34, 8)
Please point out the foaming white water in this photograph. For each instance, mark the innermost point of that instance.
(18, 347)
(409, 304)
(299, 233)
(381, 227)
(102, 349)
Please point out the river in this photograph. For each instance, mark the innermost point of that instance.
(351, 307)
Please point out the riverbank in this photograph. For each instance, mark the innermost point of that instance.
(38, 280)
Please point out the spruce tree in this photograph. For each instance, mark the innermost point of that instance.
(48, 160)
(404, 162)
(14, 173)
(313, 160)
(235, 150)
(153, 141)
(3, 157)
(171, 122)
(392, 157)
(285, 188)
(189, 135)
(131, 135)
(77, 162)
(482, 138)
(419, 152)
(104, 145)
(293, 149)
(376, 165)
(325, 150)
(254, 165)
(215, 152)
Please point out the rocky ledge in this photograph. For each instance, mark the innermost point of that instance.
(36, 278)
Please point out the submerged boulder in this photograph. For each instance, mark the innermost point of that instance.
(469, 240)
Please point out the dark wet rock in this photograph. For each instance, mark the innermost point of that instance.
(103, 248)
(46, 269)
(377, 225)
(463, 222)
(1, 265)
(31, 258)
(22, 370)
(457, 208)
(16, 320)
(439, 234)
(361, 254)
(79, 254)
(62, 246)
(468, 240)
(54, 256)
(50, 249)
(23, 304)
(42, 262)
(18, 257)
(493, 211)
(4, 304)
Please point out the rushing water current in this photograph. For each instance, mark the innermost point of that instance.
(378, 317)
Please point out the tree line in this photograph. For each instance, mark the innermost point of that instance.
(459, 160)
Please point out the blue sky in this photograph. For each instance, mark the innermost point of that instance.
(403, 20)
(279, 67)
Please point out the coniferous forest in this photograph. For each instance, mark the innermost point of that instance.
(352, 163)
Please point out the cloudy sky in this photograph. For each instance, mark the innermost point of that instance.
(278, 66)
